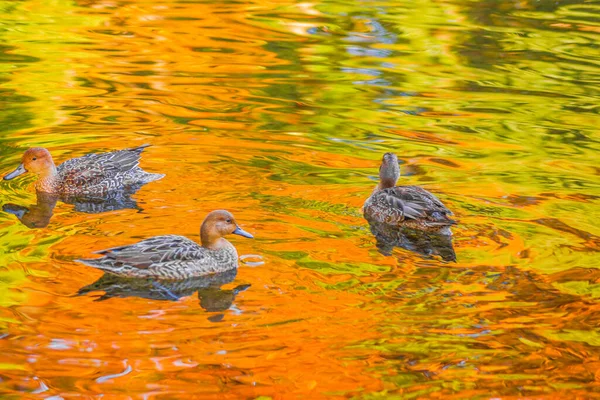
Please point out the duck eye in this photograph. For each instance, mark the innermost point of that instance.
(34, 158)
(229, 221)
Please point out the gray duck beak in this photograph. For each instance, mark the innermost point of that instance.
(19, 171)
(241, 232)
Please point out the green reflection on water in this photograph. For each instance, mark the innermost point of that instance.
(492, 105)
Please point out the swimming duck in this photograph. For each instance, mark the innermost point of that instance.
(407, 206)
(93, 175)
(176, 257)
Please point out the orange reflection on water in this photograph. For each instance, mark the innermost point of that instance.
(279, 112)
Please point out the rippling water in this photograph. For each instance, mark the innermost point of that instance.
(280, 112)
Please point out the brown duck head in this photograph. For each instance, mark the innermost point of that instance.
(217, 224)
(36, 160)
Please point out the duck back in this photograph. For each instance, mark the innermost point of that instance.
(101, 173)
(409, 206)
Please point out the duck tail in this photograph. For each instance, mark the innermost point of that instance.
(441, 219)
(91, 262)
(99, 263)
(149, 177)
(139, 149)
(446, 223)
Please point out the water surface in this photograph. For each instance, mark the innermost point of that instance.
(280, 112)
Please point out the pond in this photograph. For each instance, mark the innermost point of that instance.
(280, 112)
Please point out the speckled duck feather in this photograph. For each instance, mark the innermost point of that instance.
(409, 206)
(96, 175)
(165, 257)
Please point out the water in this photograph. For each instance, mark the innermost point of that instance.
(280, 112)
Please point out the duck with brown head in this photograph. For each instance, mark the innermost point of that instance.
(93, 175)
(176, 257)
(38, 161)
(407, 206)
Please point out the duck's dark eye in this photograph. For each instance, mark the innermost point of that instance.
(229, 221)
(34, 158)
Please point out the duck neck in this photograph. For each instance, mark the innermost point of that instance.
(48, 180)
(210, 240)
(218, 244)
(388, 175)
(385, 183)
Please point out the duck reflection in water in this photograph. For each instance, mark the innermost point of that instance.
(39, 214)
(426, 244)
(212, 297)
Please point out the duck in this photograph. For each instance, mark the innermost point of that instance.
(174, 257)
(405, 206)
(91, 176)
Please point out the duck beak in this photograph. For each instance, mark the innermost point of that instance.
(241, 232)
(19, 171)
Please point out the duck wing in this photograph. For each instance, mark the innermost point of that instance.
(96, 168)
(151, 257)
(152, 251)
(415, 202)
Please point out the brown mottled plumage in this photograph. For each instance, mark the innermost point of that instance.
(176, 257)
(93, 175)
(408, 206)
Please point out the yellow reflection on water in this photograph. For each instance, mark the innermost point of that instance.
(279, 112)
